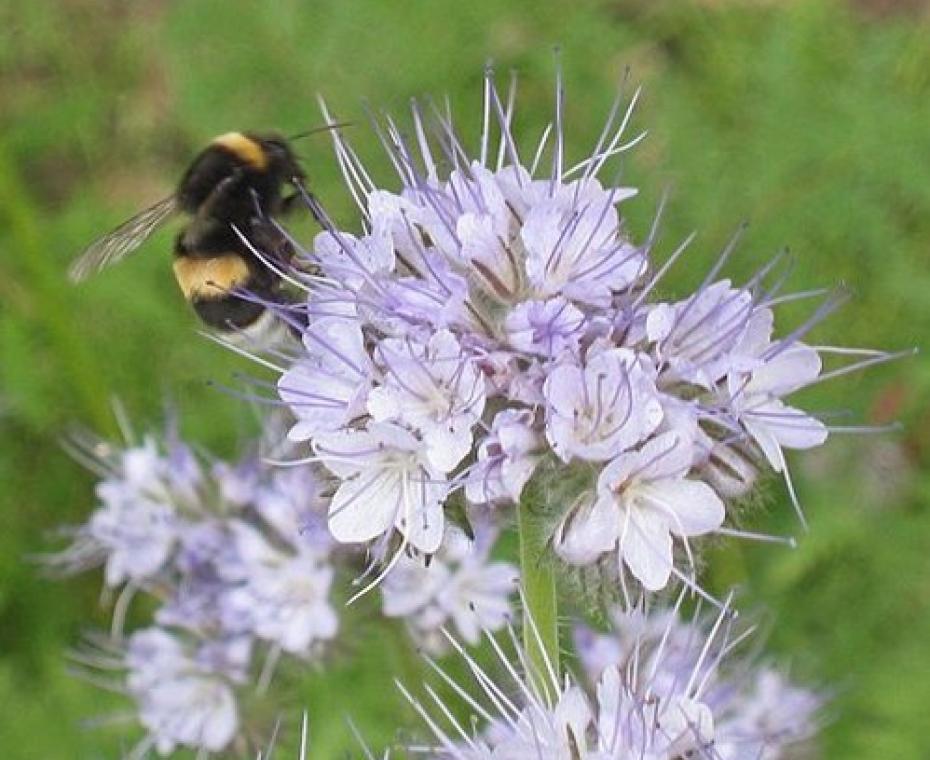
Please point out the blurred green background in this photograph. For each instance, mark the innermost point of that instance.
(810, 119)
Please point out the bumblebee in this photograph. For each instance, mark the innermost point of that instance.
(231, 193)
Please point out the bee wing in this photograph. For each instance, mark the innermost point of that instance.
(122, 241)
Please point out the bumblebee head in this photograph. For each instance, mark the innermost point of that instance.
(281, 158)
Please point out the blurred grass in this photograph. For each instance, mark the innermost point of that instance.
(810, 119)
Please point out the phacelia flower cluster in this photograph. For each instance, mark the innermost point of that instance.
(241, 565)
(654, 687)
(754, 710)
(244, 571)
(495, 319)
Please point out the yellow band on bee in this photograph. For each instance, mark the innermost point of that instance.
(244, 148)
(210, 278)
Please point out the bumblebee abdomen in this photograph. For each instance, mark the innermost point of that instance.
(228, 290)
(214, 286)
(229, 312)
(211, 278)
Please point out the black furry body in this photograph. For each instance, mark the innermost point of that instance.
(232, 189)
(231, 193)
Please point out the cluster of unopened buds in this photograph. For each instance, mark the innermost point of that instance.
(492, 331)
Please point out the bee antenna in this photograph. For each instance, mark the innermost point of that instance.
(324, 128)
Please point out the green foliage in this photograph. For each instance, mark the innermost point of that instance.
(808, 119)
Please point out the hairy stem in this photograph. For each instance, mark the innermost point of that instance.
(540, 602)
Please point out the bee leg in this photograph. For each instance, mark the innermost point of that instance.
(207, 217)
(220, 192)
(302, 194)
(271, 241)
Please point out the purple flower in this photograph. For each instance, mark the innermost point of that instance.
(506, 458)
(137, 535)
(643, 499)
(181, 702)
(433, 389)
(237, 482)
(495, 313)
(293, 502)
(371, 255)
(696, 338)
(387, 482)
(755, 400)
(280, 595)
(574, 246)
(197, 586)
(597, 411)
(620, 711)
(545, 328)
(755, 711)
(460, 585)
(327, 388)
(766, 717)
(137, 526)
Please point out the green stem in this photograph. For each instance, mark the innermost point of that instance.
(540, 601)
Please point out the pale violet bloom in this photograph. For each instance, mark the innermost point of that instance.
(768, 718)
(328, 386)
(387, 483)
(696, 337)
(486, 240)
(181, 701)
(136, 528)
(150, 496)
(197, 587)
(292, 502)
(730, 469)
(559, 732)
(643, 499)
(574, 246)
(460, 589)
(417, 305)
(136, 535)
(237, 482)
(753, 342)
(546, 328)
(237, 561)
(630, 633)
(184, 476)
(620, 724)
(683, 417)
(756, 402)
(143, 470)
(352, 260)
(507, 459)
(433, 389)
(280, 595)
(665, 727)
(597, 411)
